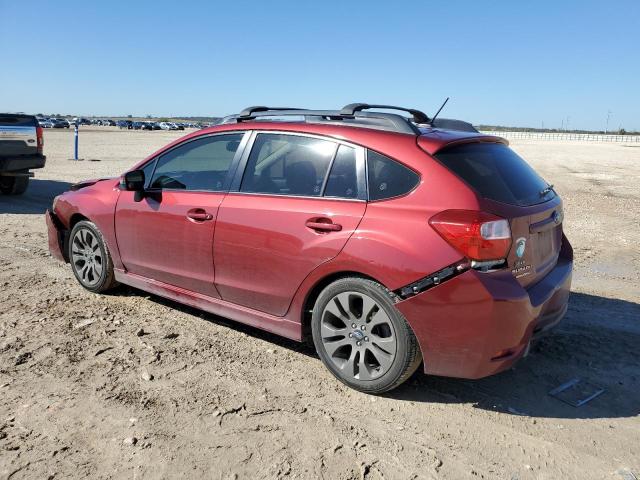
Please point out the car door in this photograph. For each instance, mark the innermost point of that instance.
(295, 201)
(168, 235)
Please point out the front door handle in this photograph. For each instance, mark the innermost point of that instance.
(199, 215)
(323, 225)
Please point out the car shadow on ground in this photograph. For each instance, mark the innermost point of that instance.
(596, 342)
(36, 199)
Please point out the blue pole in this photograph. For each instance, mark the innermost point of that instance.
(76, 140)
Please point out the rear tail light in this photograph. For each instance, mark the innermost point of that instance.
(476, 235)
(40, 139)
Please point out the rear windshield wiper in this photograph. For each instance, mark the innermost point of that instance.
(544, 191)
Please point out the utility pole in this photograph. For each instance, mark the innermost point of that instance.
(607, 127)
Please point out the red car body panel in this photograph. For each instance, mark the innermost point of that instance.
(96, 202)
(54, 236)
(436, 140)
(263, 249)
(157, 239)
(465, 323)
(256, 261)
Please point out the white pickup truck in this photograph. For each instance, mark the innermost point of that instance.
(21, 144)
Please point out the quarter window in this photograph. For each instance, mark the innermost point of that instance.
(201, 164)
(287, 165)
(387, 178)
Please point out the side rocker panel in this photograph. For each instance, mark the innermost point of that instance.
(278, 325)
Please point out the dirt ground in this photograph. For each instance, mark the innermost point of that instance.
(84, 395)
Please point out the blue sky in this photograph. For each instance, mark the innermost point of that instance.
(510, 63)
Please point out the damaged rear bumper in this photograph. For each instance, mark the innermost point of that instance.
(479, 324)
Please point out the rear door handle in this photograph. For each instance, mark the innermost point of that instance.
(323, 226)
(199, 215)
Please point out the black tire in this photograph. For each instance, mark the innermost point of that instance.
(347, 361)
(93, 270)
(14, 185)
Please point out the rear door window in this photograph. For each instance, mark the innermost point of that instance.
(387, 178)
(288, 165)
(497, 173)
(343, 178)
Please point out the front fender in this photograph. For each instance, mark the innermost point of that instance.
(96, 203)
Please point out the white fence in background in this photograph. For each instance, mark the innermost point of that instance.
(585, 137)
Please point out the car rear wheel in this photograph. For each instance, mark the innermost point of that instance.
(14, 185)
(362, 338)
(90, 259)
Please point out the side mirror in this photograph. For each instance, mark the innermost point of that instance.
(134, 182)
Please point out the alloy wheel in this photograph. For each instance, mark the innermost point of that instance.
(358, 335)
(86, 257)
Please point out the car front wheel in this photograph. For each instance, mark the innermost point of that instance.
(362, 338)
(90, 258)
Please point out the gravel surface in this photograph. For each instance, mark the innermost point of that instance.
(133, 386)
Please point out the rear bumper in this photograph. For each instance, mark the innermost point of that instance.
(21, 162)
(56, 235)
(479, 324)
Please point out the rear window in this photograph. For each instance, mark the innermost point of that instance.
(18, 120)
(497, 173)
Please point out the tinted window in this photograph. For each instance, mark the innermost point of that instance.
(387, 178)
(148, 172)
(17, 120)
(287, 165)
(496, 172)
(197, 165)
(343, 180)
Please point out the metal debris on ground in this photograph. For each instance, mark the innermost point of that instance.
(576, 392)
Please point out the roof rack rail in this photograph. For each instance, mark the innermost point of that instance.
(376, 120)
(356, 115)
(353, 108)
(249, 111)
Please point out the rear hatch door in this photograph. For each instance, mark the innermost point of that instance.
(537, 238)
(508, 187)
(18, 135)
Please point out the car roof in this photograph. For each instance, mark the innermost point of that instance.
(433, 139)
(401, 146)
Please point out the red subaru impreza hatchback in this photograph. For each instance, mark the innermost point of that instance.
(392, 239)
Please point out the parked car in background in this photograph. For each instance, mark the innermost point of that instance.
(45, 123)
(167, 126)
(59, 123)
(21, 150)
(384, 238)
(125, 124)
(137, 125)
